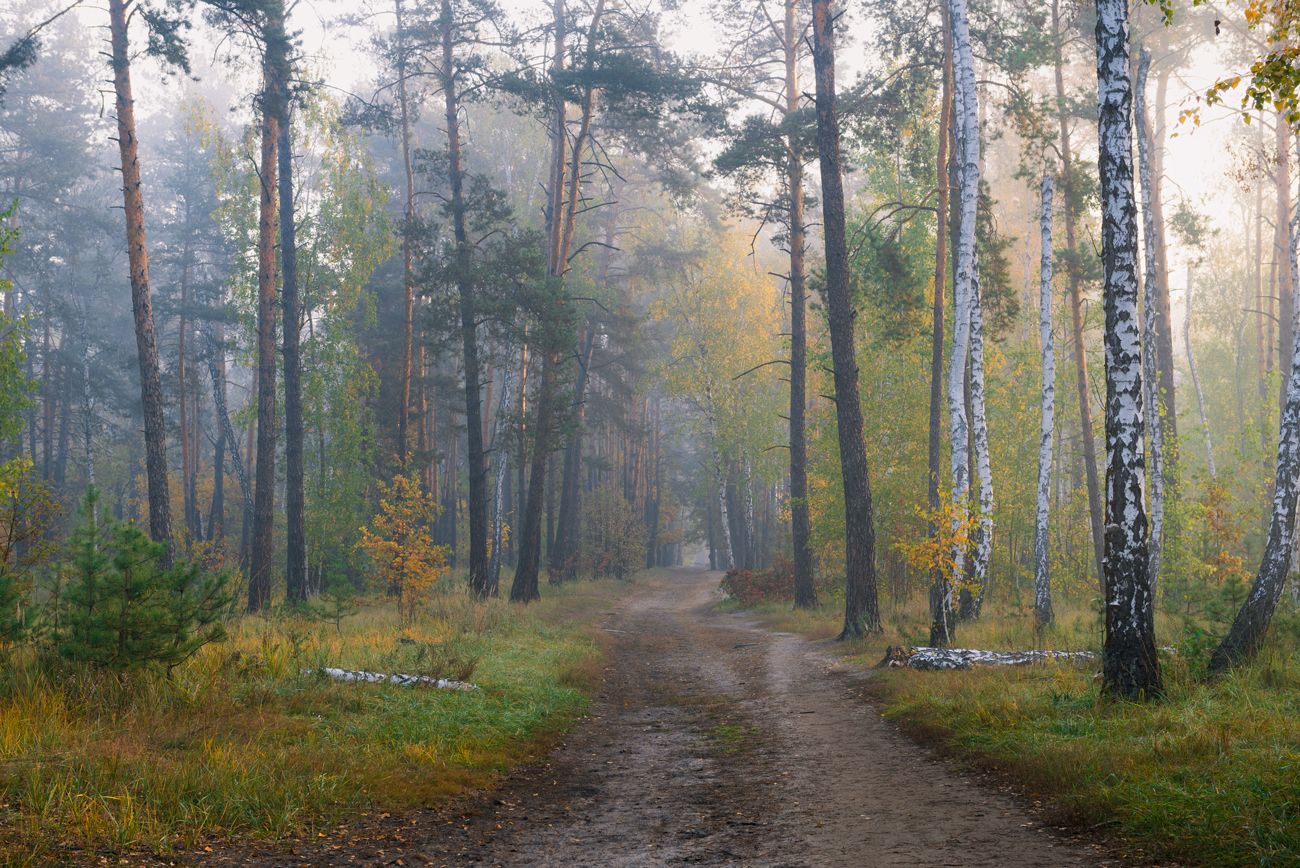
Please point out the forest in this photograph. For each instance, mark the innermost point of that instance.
(637, 432)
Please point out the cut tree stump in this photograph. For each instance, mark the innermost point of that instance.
(898, 657)
(358, 675)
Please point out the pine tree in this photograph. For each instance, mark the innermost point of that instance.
(124, 609)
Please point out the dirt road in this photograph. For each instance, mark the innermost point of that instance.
(717, 742)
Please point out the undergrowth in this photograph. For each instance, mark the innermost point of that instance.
(244, 740)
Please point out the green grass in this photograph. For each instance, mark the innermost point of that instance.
(1210, 775)
(241, 742)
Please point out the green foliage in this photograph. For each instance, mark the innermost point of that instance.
(336, 601)
(12, 596)
(123, 610)
(615, 534)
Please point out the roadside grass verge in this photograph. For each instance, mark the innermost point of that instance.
(1209, 775)
(241, 741)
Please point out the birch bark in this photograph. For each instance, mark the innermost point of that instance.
(1130, 667)
(1042, 576)
(964, 283)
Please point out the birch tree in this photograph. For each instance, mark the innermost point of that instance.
(1042, 579)
(1130, 667)
(965, 288)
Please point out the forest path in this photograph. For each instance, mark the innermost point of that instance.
(715, 741)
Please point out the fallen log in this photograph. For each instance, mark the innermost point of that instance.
(359, 675)
(898, 656)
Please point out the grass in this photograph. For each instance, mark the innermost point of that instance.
(241, 742)
(1210, 775)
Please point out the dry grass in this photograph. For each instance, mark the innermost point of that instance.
(240, 741)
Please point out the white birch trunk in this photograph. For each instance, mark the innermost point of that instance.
(1042, 576)
(966, 114)
(983, 465)
(1196, 380)
(1130, 668)
(1150, 325)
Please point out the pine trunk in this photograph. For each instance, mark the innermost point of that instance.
(151, 397)
(408, 271)
(479, 581)
(295, 505)
(861, 610)
(262, 551)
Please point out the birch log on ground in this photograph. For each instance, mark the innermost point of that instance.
(1042, 577)
(400, 679)
(1151, 325)
(898, 657)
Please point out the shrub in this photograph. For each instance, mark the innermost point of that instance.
(751, 587)
(615, 544)
(122, 609)
(399, 542)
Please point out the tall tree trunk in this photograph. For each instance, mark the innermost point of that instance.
(479, 581)
(1130, 667)
(1152, 322)
(273, 100)
(965, 284)
(942, 623)
(187, 467)
(151, 397)
(980, 447)
(295, 505)
(499, 488)
(805, 594)
(561, 214)
(1286, 288)
(1165, 331)
(1043, 613)
(563, 558)
(408, 271)
(1250, 626)
(1196, 380)
(861, 610)
(1074, 280)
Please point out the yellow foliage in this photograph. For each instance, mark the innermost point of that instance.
(954, 529)
(399, 543)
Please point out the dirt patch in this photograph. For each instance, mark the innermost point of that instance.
(712, 742)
